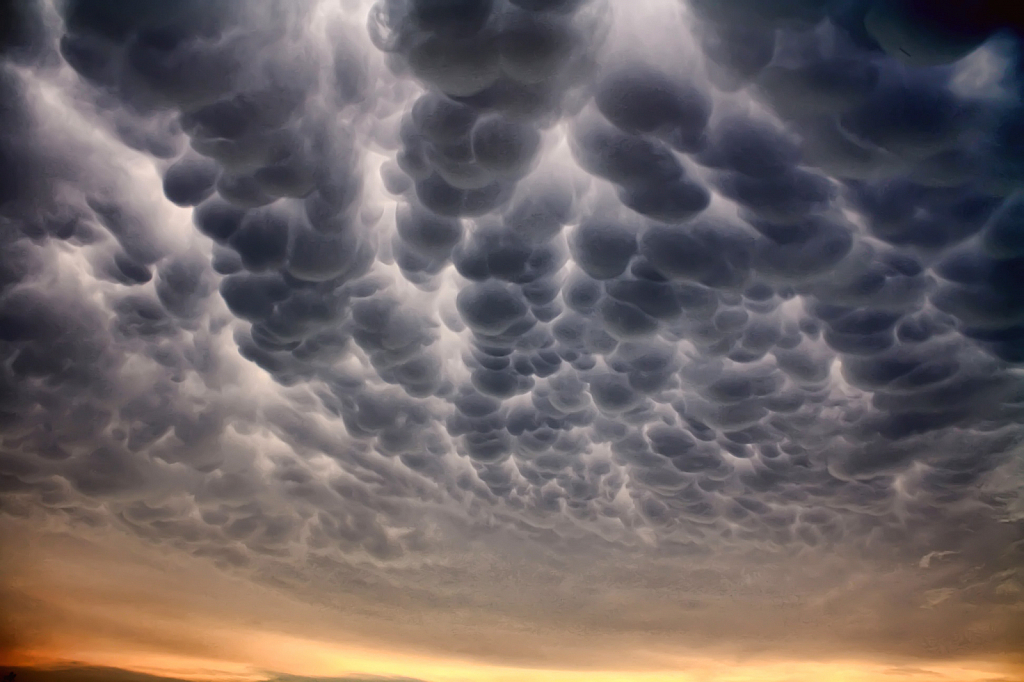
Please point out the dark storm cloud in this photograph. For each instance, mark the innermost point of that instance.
(279, 281)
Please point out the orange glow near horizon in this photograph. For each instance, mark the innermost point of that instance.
(72, 598)
(312, 659)
(263, 655)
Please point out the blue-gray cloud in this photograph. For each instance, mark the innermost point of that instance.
(293, 282)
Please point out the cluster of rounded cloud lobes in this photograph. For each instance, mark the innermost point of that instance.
(725, 296)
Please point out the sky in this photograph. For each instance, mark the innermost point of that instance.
(511, 340)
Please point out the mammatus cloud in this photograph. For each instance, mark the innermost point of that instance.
(695, 323)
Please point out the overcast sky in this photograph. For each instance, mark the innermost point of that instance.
(494, 340)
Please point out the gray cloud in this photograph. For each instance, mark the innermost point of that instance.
(288, 285)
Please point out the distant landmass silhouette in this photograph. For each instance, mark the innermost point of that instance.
(86, 673)
(78, 673)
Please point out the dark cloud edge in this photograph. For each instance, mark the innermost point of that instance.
(74, 672)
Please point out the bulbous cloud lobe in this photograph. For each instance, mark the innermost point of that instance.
(305, 286)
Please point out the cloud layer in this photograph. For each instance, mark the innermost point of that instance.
(716, 302)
